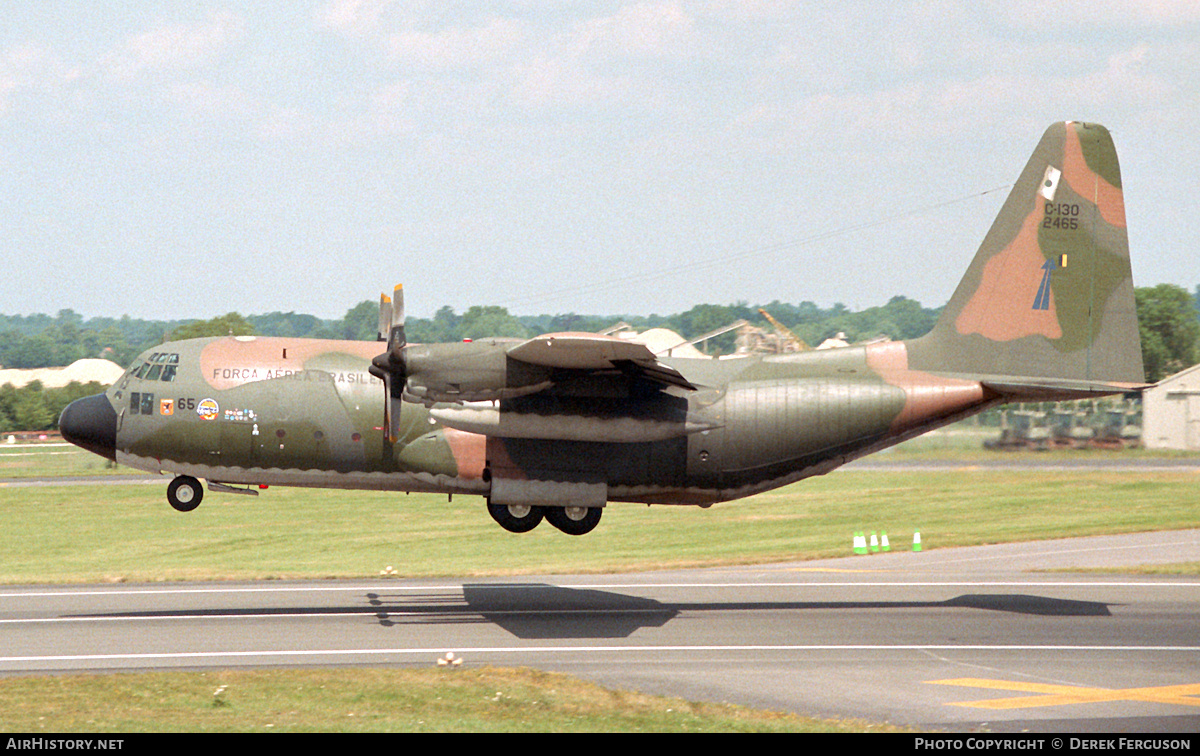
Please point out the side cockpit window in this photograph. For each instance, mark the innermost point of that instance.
(141, 403)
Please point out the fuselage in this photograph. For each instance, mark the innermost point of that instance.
(299, 412)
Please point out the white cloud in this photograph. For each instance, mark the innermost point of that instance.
(178, 46)
(644, 29)
(352, 17)
(457, 46)
(31, 68)
(1091, 13)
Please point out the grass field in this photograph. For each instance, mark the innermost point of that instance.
(73, 533)
(369, 700)
(106, 533)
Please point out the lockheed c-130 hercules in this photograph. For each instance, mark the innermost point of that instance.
(557, 426)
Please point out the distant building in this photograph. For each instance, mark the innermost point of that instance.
(835, 342)
(1171, 412)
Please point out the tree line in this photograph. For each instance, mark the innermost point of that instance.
(34, 408)
(1168, 316)
(48, 341)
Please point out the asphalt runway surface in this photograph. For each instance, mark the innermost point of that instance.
(965, 639)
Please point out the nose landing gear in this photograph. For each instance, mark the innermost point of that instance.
(185, 493)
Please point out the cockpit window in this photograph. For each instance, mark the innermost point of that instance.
(161, 366)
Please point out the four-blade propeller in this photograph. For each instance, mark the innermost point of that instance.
(391, 367)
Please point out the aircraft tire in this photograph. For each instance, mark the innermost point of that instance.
(185, 493)
(574, 520)
(516, 518)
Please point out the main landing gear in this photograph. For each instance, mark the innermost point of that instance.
(185, 493)
(522, 518)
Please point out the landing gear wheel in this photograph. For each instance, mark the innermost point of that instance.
(516, 518)
(574, 520)
(185, 493)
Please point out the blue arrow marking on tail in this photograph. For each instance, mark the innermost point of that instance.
(1042, 300)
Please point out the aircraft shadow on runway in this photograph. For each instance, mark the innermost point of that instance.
(542, 611)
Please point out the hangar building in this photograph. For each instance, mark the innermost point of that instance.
(1171, 412)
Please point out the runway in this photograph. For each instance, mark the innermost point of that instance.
(946, 639)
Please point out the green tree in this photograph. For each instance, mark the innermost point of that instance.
(8, 398)
(1170, 330)
(705, 318)
(483, 322)
(31, 352)
(29, 409)
(361, 322)
(230, 324)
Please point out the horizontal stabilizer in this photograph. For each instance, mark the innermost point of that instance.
(1046, 390)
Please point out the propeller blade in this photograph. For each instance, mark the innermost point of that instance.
(390, 366)
(385, 317)
(396, 337)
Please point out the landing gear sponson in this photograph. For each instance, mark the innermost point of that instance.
(522, 518)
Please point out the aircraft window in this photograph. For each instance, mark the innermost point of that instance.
(135, 403)
(142, 370)
(173, 359)
(155, 371)
(147, 404)
(168, 373)
(153, 357)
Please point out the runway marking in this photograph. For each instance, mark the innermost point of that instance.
(572, 650)
(1066, 695)
(408, 587)
(834, 569)
(939, 560)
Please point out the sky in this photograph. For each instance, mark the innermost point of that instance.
(176, 160)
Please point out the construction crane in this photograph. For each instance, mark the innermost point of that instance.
(784, 332)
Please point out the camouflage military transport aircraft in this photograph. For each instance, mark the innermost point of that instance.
(557, 426)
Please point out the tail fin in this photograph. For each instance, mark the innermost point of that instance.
(1048, 300)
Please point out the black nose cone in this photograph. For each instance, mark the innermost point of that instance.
(91, 423)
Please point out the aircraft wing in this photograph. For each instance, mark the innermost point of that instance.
(492, 369)
(593, 352)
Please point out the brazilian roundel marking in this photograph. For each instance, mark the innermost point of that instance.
(207, 409)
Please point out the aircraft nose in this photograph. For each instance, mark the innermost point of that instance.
(91, 423)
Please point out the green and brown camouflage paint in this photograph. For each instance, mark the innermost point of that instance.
(1045, 310)
(1050, 294)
